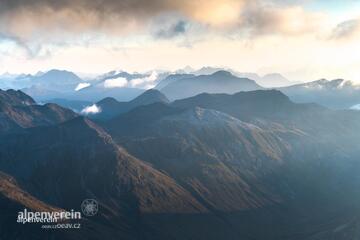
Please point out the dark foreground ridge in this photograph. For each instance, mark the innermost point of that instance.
(251, 165)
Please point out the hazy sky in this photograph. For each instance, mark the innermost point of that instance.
(304, 40)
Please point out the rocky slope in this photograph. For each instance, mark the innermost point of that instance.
(18, 111)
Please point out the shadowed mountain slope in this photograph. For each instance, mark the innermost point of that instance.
(110, 107)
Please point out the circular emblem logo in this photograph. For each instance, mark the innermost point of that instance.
(89, 207)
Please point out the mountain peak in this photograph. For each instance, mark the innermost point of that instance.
(111, 107)
(265, 94)
(106, 101)
(150, 96)
(222, 73)
(57, 71)
(56, 77)
(326, 84)
(16, 98)
(219, 82)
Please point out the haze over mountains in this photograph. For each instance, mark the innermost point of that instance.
(69, 90)
(337, 93)
(248, 165)
(217, 82)
(202, 155)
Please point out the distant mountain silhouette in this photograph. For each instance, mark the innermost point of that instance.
(218, 82)
(172, 78)
(59, 84)
(270, 80)
(338, 93)
(273, 80)
(57, 78)
(95, 93)
(110, 107)
(40, 86)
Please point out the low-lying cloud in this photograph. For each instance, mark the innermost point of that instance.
(356, 107)
(115, 83)
(93, 109)
(145, 82)
(82, 86)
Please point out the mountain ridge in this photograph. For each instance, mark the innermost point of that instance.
(218, 82)
(110, 107)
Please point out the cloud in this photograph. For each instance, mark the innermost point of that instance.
(259, 19)
(81, 86)
(115, 83)
(356, 107)
(177, 29)
(93, 109)
(49, 20)
(346, 29)
(31, 18)
(146, 82)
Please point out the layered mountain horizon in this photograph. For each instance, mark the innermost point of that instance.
(69, 90)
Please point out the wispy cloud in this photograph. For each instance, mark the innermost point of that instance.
(346, 29)
(174, 30)
(145, 82)
(46, 19)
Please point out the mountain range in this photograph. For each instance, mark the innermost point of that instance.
(71, 91)
(267, 80)
(183, 86)
(247, 165)
(338, 93)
